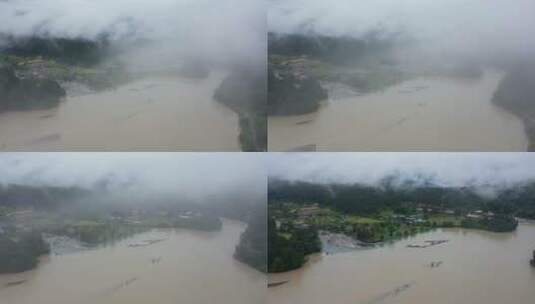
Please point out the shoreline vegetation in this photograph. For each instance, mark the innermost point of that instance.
(20, 249)
(244, 92)
(38, 73)
(307, 218)
(35, 73)
(302, 67)
(516, 93)
(252, 248)
(31, 224)
(21, 252)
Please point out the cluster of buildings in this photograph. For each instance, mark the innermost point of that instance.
(136, 216)
(478, 214)
(413, 219)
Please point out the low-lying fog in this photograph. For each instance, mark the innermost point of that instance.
(160, 65)
(446, 169)
(409, 75)
(166, 227)
(207, 178)
(229, 32)
(467, 29)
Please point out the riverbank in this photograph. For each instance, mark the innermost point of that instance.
(463, 274)
(420, 113)
(253, 246)
(179, 267)
(302, 229)
(27, 236)
(515, 94)
(182, 111)
(342, 94)
(67, 112)
(244, 92)
(46, 70)
(299, 62)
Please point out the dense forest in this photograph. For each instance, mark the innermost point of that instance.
(518, 200)
(244, 91)
(33, 70)
(387, 211)
(96, 217)
(339, 50)
(292, 94)
(516, 93)
(22, 253)
(252, 248)
(70, 51)
(288, 250)
(42, 197)
(300, 65)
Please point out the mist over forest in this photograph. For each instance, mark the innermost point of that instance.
(466, 181)
(401, 52)
(212, 51)
(160, 32)
(142, 179)
(48, 202)
(474, 29)
(331, 202)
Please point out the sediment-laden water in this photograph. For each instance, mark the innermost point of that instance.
(151, 114)
(473, 266)
(425, 114)
(161, 266)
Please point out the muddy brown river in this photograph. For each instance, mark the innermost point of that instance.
(186, 267)
(473, 267)
(151, 114)
(426, 114)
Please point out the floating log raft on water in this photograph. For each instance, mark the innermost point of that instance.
(119, 286)
(435, 264)
(428, 243)
(14, 283)
(146, 243)
(275, 284)
(390, 294)
(305, 148)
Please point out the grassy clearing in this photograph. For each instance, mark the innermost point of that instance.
(441, 219)
(286, 236)
(97, 77)
(364, 78)
(355, 219)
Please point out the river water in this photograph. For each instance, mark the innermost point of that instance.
(473, 267)
(186, 267)
(425, 114)
(151, 114)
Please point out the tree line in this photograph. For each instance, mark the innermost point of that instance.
(518, 200)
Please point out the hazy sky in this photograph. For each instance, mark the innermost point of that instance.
(224, 30)
(199, 175)
(455, 169)
(471, 25)
(194, 175)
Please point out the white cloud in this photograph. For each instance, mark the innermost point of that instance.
(194, 175)
(455, 169)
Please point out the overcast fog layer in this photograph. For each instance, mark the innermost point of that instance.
(448, 169)
(469, 27)
(220, 31)
(195, 176)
